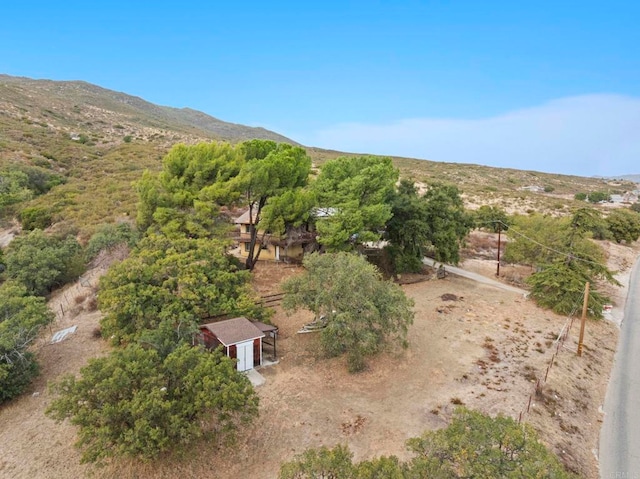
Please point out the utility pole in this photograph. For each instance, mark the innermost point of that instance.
(499, 237)
(584, 317)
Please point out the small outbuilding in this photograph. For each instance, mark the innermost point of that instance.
(240, 338)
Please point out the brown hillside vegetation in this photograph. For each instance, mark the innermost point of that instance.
(101, 141)
(472, 344)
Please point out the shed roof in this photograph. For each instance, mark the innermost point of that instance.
(266, 328)
(233, 331)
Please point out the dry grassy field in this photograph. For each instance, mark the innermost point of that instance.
(471, 344)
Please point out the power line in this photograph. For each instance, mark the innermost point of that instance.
(561, 253)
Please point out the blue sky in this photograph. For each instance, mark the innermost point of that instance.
(548, 86)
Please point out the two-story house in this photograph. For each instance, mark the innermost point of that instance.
(290, 246)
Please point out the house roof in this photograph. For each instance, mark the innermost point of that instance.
(233, 331)
(243, 219)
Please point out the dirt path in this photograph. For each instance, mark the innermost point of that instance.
(8, 233)
(480, 278)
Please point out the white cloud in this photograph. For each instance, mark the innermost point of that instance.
(584, 135)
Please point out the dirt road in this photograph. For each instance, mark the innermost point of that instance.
(620, 435)
(475, 277)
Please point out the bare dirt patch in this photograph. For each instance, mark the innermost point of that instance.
(471, 344)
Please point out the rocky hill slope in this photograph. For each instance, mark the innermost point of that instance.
(100, 141)
(77, 107)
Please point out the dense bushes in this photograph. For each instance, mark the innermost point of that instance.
(175, 281)
(35, 218)
(20, 182)
(108, 236)
(139, 403)
(624, 225)
(42, 263)
(21, 317)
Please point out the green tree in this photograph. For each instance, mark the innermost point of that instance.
(635, 207)
(21, 317)
(42, 263)
(598, 196)
(580, 196)
(173, 280)
(362, 312)
(407, 229)
(565, 256)
(269, 170)
(137, 403)
(476, 445)
(357, 192)
(197, 180)
(434, 224)
(180, 199)
(448, 222)
(624, 225)
(534, 238)
(491, 218)
(473, 445)
(560, 286)
(587, 221)
(335, 463)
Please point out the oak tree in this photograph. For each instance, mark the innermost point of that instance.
(173, 280)
(137, 403)
(434, 224)
(362, 313)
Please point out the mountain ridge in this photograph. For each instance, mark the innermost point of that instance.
(133, 108)
(101, 141)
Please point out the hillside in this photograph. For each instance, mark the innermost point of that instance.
(101, 141)
(77, 106)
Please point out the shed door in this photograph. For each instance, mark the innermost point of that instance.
(245, 356)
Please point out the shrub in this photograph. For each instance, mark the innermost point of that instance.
(41, 262)
(108, 236)
(21, 317)
(35, 217)
(624, 225)
(598, 196)
(138, 403)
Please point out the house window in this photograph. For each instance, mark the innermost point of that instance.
(247, 228)
(247, 247)
(264, 246)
